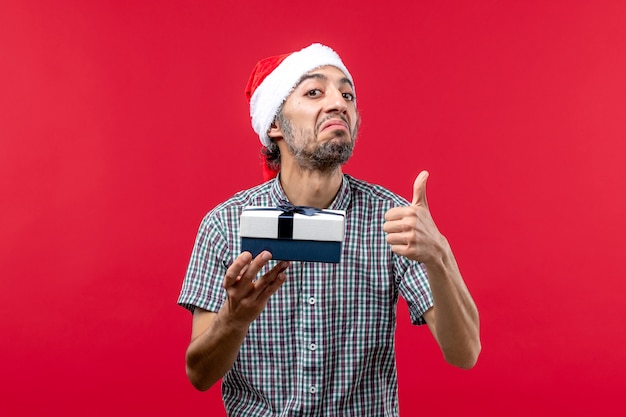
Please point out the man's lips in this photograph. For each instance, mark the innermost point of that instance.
(334, 124)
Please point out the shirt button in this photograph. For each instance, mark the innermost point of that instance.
(312, 346)
(312, 389)
(311, 300)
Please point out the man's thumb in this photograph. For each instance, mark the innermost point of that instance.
(419, 190)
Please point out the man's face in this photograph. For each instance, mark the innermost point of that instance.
(319, 121)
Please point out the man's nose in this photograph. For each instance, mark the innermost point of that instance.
(335, 102)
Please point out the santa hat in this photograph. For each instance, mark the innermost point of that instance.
(274, 78)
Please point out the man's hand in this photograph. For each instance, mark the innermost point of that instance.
(411, 231)
(217, 337)
(247, 296)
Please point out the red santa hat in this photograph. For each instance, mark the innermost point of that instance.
(274, 78)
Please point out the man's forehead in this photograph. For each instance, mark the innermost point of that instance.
(326, 73)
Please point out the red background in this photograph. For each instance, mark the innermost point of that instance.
(122, 123)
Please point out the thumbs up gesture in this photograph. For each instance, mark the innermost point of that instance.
(411, 231)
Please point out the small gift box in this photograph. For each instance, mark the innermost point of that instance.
(293, 233)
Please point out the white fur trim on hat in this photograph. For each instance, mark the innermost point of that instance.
(276, 87)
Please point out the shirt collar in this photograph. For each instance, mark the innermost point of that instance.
(341, 201)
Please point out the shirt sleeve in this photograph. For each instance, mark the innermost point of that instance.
(210, 258)
(415, 289)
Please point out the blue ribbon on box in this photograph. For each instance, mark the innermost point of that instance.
(289, 208)
(285, 219)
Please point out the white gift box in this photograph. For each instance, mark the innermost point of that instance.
(293, 233)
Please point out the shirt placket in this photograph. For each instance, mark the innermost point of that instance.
(311, 346)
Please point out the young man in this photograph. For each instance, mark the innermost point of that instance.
(308, 338)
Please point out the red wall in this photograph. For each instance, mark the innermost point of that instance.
(122, 123)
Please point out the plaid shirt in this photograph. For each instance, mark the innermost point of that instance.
(324, 345)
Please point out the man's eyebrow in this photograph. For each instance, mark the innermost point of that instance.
(322, 77)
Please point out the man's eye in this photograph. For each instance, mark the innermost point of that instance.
(348, 96)
(314, 93)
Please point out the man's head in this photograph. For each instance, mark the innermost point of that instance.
(306, 98)
(318, 121)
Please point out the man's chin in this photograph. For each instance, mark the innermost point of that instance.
(332, 156)
(335, 135)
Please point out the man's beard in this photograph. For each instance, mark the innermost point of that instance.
(324, 157)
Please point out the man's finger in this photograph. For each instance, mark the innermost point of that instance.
(257, 263)
(399, 213)
(237, 268)
(245, 269)
(394, 226)
(271, 281)
(419, 190)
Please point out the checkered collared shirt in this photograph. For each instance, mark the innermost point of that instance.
(324, 345)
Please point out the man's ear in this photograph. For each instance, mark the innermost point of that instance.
(274, 131)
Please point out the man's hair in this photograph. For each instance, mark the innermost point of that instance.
(271, 154)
